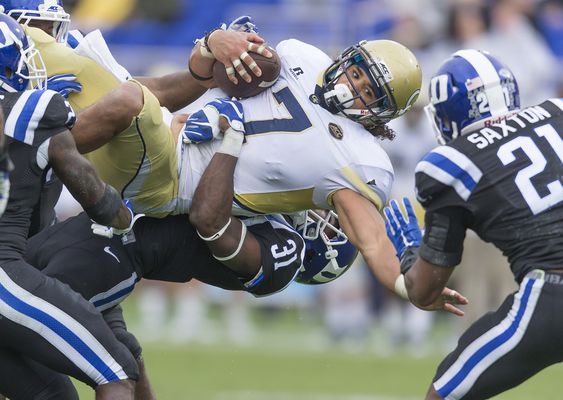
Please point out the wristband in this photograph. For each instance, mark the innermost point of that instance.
(198, 77)
(234, 254)
(204, 44)
(217, 235)
(105, 210)
(400, 287)
(232, 143)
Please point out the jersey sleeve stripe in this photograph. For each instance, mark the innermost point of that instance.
(557, 102)
(12, 118)
(27, 113)
(451, 168)
(378, 199)
(25, 125)
(39, 111)
(491, 79)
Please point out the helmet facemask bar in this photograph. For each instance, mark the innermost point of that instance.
(27, 69)
(325, 227)
(59, 17)
(435, 122)
(377, 112)
(32, 67)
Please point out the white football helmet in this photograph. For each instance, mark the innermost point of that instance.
(25, 11)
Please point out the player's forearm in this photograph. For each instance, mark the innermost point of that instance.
(365, 229)
(102, 202)
(174, 91)
(423, 284)
(212, 202)
(383, 262)
(201, 66)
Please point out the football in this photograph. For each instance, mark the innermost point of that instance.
(270, 72)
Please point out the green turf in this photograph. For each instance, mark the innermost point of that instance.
(222, 373)
(290, 358)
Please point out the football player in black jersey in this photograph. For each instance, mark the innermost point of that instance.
(499, 173)
(43, 321)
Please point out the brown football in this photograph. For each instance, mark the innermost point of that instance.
(270, 72)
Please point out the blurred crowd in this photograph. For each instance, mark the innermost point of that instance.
(153, 37)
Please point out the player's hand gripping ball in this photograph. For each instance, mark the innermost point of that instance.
(270, 72)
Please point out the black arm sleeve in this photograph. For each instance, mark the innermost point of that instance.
(444, 234)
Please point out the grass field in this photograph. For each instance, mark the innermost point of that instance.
(286, 362)
(223, 373)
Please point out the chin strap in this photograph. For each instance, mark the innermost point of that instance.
(342, 93)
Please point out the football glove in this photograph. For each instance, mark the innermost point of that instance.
(64, 84)
(243, 23)
(403, 232)
(109, 231)
(203, 125)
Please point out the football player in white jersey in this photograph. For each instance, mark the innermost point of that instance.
(311, 141)
(317, 118)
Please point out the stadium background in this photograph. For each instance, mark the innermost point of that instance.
(349, 340)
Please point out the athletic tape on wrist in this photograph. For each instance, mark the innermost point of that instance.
(232, 143)
(216, 235)
(241, 241)
(401, 288)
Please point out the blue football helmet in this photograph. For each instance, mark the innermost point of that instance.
(470, 87)
(328, 253)
(21, 64)
(25, 11)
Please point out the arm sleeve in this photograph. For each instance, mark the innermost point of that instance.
(444, 234)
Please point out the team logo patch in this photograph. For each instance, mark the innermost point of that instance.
(335, 131)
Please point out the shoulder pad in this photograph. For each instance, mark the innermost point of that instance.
(35, 115)
(446, 168)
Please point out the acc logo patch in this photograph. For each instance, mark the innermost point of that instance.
(335, 131)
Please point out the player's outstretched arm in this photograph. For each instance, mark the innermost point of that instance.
(210, 213)
(100, 201)
(112, 114)
(365, 229)
(424, 282)
(174, 91)
(426, 285)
